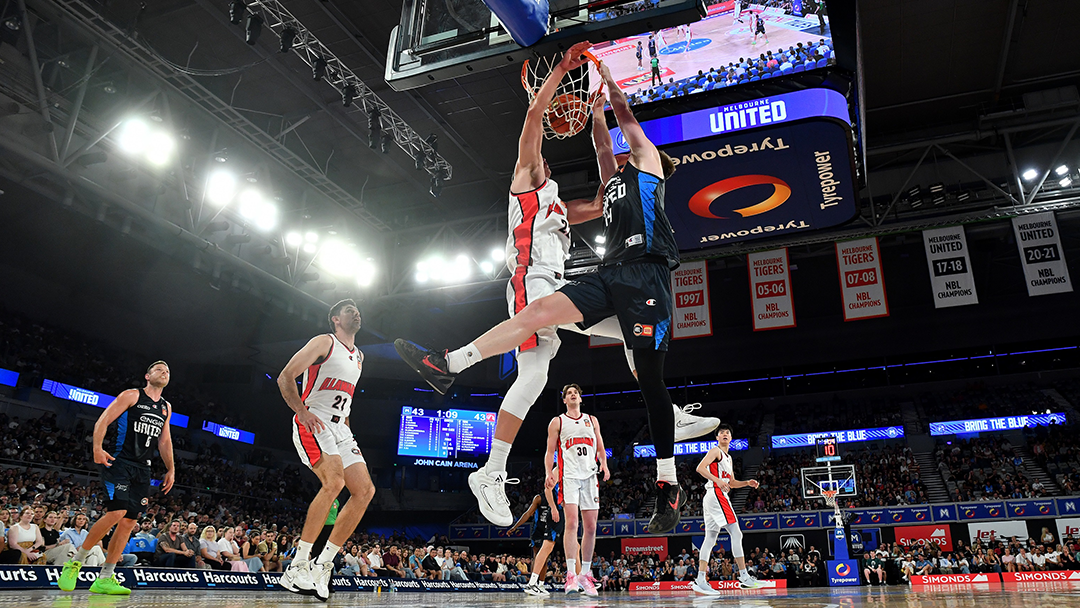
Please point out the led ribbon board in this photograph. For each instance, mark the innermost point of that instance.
(1006, 423)
(227, 432)
(851, 436)
(8, 377)
(689, 447)
(89, 397)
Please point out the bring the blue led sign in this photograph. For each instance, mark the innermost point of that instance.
(689, 447)
(1005, 423)
(850, 436)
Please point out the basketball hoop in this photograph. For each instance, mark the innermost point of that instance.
(830, 498)
(571, 106)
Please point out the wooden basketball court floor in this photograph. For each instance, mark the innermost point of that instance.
(729, 41)
(1038, 595)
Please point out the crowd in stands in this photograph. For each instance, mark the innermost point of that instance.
(796, 58)
(984, 468)
(980, 401)
(838, 414)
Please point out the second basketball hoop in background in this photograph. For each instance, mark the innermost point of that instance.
(570, 108)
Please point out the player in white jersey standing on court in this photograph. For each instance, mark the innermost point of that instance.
(575, 443)
(718, 469)
(331, 365)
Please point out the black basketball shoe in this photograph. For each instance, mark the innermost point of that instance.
(429, 364)
(669, 499)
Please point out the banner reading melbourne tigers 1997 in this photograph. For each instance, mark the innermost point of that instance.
(770, 289)
(950, 267)
(861, 282)
(1039, 242)
(690, 290)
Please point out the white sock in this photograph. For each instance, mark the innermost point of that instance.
(303, 552)
(571, 567)
(107, 570)
(586, 568)
(534, 578)
(328, 553)
(463, 358)
(500, 450)
(742, 573)
(665, 469)
(81, 554)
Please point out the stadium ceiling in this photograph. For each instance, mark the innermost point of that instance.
(946, 73)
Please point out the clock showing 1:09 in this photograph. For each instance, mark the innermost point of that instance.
(949, 266)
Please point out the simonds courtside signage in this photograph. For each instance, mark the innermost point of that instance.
(761, 183)
(950, 267)
(1039, 242)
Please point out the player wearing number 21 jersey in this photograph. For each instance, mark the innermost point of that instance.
(330, 365)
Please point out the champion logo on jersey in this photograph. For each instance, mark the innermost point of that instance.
(650, 302)
(636, 239)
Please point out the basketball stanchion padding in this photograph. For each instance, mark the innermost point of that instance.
(569, 110)
(525, 20)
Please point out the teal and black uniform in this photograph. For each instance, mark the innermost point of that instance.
(634, 278)
(131, 440)
(543, 528)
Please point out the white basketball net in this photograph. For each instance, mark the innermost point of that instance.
(571, 106)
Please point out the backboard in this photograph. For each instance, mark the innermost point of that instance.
(837, 477)
(438, 40)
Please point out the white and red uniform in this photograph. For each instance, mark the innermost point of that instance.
(536, 249)
(328, 393)
(716, 505)
(576, 459)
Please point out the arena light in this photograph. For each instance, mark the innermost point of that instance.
(310, 248)
(1062, 169)
(221, 188)
(253, 28)
(339, 258)
(159, 147)
(365, 272)
(293, 239)
(312, 237)
(1030, 174)
(487, 267)
(133, 136)
(288, 37)
(1065, 182)
(237, 9)
(601, 239)
(499, 255)
(254, 207)
(461, 269)
(600, 251)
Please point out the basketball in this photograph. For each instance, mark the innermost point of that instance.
(566, 114)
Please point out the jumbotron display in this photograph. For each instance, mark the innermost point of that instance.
(445, 433)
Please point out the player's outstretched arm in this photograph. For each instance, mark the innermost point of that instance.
(529, 171)
(601, 138)
(527, 514)
(164, 444)
(549, 453)
(119, 405)
(316, 348)
(643, 153)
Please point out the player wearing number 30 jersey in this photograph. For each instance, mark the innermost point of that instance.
(330, 365)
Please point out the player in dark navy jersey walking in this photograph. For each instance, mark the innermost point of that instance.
(141, 418)
(633, 282)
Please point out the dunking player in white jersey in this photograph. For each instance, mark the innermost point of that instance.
(330, 365)
(574, 441)
(717, 468)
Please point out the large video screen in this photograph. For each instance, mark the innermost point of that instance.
(738, 42)
(445, 433)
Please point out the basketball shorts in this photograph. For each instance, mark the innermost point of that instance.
(585, 493)
(637, 292)
(717, 509)
(127, 485)
(336, 439)
(528, 284)
(547, 530)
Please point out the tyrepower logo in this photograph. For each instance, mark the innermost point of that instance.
(922, 536)
(843, 569)
(1031, 577)
(701, 201)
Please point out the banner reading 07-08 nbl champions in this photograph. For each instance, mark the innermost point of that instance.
(744, 182)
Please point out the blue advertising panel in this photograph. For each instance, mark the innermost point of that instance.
(861, 541)
(981, 510)
(758, 184)
(808, 519)
(445, 433)
(684, 448)
(741, 116)
(690, 525)
(522, 531)
(89, 397)
(722, 541)
(1068, 506)
(469, 531)
(908, 515)
(945, 513)
(641, 527)
(758, 523)
(625, 527)
(8, 377)
(228, 432)
(605, 528)
(1005, 423)
(799, 440)
(842, 573)
(866, 517)
(1031, 508)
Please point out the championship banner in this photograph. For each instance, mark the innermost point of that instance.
(950, 267)
(986, 531)
(640, 546)
(690, 291)
(913, 537)
(1068, 529)
(770, 289)
(861, 283)
(1039, 242)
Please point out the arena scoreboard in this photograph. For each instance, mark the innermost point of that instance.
(445, 433)
(827, 449)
